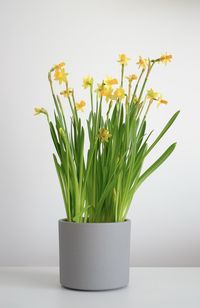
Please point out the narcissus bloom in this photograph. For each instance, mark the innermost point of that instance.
(99, 88)
(119, 93)
(39, 110)
(131, 77)
(152, 95)
(80, 106)
(161, 101)
(59, 66)
(165, 58)
(67, 92)
(106, 91)
(60, 75)
(104, 135)
(87, 81)
(123, 60)
(142, 63)
(110, 81)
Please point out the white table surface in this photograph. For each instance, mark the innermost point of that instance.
(38, 287)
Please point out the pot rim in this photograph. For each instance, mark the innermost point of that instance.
(65, 221)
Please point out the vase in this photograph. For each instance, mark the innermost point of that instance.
(94, 256)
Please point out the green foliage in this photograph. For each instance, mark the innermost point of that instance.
(99, 186)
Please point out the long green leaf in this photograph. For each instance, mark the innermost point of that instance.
(165, 129)
(156, 164)
(54, 138)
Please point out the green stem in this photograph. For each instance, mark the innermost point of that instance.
(122, 75)
(129, 91)
(145, 81)
(91, 98)
(74, 103)
(136, 86)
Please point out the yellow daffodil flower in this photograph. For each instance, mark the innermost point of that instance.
(119, 93)
(99, 88)
(161, 101)
(106, 91)
(104, 135)
(142, 63)
(123, 60)
(165, 58)
(60, 75)
(59, 66)
(87, 81)
(131, 77)
(39, 110)
(110, 81)
(67, 92)
(80, 106)
(152, 95)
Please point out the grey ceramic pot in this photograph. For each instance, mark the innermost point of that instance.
(94, 256)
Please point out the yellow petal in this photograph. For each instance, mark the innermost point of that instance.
(123, 60)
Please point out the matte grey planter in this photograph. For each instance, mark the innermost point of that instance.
(94, 256)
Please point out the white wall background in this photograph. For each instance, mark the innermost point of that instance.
(89, 35)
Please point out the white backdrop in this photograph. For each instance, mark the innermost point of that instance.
(89, 35)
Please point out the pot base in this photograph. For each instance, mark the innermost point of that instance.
(94, 290)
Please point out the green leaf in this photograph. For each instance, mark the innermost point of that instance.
(156, 164)
(80, 214)
(165, 129)
(141, 135)
(54, 138)
(62, 185)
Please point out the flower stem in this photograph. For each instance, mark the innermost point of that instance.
(146, 78)
(129, 91)
(136, 86)
(122, 75)
(91, 97)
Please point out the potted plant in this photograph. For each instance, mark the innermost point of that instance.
(99, 172)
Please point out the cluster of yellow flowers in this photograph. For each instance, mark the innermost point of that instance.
(106, 88)
(107, 91)
(109, 88)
